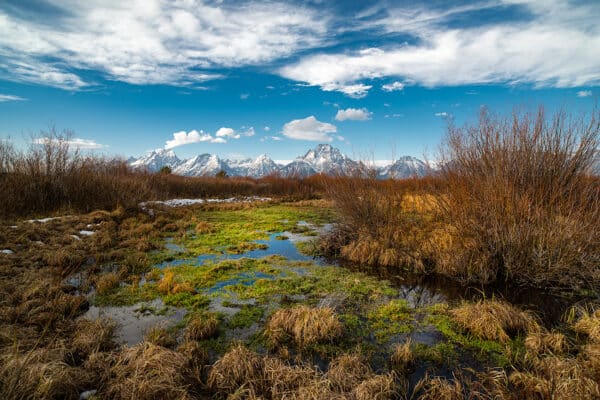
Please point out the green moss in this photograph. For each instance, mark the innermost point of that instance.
(391, 319)
(442, 353)
(125, 296)
(187, 300)
(247, 316)
(486, 350)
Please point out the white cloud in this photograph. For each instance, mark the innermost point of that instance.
(75, 143)
(584, 93)
(244, 96)
(353, 114)
(266, 129)
(557, 48)
(182, 137)
(248, 132)
(8, 97)
(441, 114)
(152, 41)
(227, 133)
(309, 128)
(392, 87)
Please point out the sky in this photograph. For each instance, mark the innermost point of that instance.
(376, 79)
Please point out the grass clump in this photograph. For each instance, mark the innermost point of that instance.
(107, 282)
(160, 335)
(305, 325)
(493, 320)
(200, 327)
(589, 325)
(378, 387)
(148, 371)
(403, 357)
(347, 371)
(239, 367)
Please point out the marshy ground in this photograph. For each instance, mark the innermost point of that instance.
(232, 300)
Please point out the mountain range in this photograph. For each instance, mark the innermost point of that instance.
(323, 159)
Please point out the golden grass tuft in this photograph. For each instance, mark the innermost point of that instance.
(184, 287)
(160, 336)
(92, 336)
(283, 380)
(147, 371)
(589, 325)
(439, 388)
(201, 327)
(538, 343)
(403, 358)
(107, 282)
(167, 283)
(304, 324)
(238, 367)
(347, 371)
(493, 320)
(555, 378)
(377, 387)
(203, 227)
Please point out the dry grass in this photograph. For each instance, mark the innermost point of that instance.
(107, 282)
(347, 371)
(167, 283)
(493, 320)
(589, 325)
(305, 325)
(160, 336)
(377, 387)
(538, 343)
(403, 358)
(555, 378)
(148, 371)
(201, 327)
(239, 367)
(92, 336)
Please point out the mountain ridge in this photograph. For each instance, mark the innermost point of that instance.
(323, 159)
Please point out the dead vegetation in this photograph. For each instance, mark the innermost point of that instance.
(493, 320)
(304, 325)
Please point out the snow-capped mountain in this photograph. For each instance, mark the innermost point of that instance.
(256, 168)
(324, 159)
(202, 165)
(404, 167)
(297, 169)
(154, 160)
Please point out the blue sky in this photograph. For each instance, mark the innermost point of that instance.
(376, 79)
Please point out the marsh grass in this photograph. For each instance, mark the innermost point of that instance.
(494, 320)
(305, 325)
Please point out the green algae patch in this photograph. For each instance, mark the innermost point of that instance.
(495, 352)
(390, 319)
(246, 317)
(233, 230)
(127, 295)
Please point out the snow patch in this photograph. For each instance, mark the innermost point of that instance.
(42, 220)
(7, 251)
(188, 202)
(86, 233)
(75, 237)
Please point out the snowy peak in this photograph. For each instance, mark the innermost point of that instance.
(324, 159)
(154, 160)
(327, 159)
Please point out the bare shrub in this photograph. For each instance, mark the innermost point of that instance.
(521, 201)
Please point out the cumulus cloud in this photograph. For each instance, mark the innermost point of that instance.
(74, 143)
(441, 114)
(584, 93)
(182, 137)
(248, 132)
(393, 87)
(353, 114)
(151, 41)
(227, 133)
(8, 97)
(309, 128)
(550, 50)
